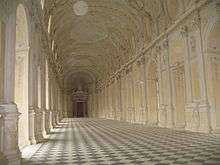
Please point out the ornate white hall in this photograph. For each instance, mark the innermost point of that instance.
(109, 82)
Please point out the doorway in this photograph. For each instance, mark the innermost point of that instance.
(80, 109)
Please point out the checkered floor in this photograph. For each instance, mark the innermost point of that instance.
(105, 142)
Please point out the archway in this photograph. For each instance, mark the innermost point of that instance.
(21, 75)
(213, 55)
(152, 93)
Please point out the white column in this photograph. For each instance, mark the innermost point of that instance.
(43, 95)
(47, 96)
(10, 146)
(50, 102)
(32, 88)
(65, 105)
(53, 103)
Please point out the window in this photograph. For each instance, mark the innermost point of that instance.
(49, 25)
(42, 3)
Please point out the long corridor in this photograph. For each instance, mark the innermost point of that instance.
(100, 141)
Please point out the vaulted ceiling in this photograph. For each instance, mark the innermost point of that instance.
(93, 38)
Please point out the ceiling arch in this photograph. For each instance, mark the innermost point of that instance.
(106, 36)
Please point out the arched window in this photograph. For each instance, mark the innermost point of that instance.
(49, 25)
(42, 4)
(52, 46)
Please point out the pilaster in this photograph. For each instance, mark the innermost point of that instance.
(169, 107)
(162, 111)
(144, 90)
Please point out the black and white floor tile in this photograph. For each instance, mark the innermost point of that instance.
(106, 142)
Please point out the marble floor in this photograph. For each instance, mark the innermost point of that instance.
(99, 141)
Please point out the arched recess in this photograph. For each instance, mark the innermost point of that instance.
(213, 68)
(21, 75)
(152, 92)
(77, 84)
(49, 24)
(42, 4)
(176, 60)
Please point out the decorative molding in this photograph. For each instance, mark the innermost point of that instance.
(163, 35)
(184, 31)
(6, 7)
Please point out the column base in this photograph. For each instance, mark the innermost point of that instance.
(38, 125)
(39, 138)
(162, 116)
(10, 147)
(216, 131)
(170, 117)
(47, 121)
(57, 118)
(50, 120)
(53, 119)
(32, 122)
(33, 141)
(43, 124)
(13, 157)
(3, 158)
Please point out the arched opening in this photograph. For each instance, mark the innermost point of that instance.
(80, 100)
(78, 86)
(42, 4)
(21, 75)
(177, 72)
(213, 41)
(49, 25)
(152, 93)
